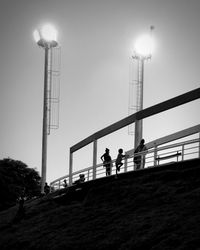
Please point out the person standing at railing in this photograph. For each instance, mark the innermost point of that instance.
(46, 188)
(119, 159)
(106, 158)
(65, 183)
(139, 160)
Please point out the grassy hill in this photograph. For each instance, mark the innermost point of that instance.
(156, 208)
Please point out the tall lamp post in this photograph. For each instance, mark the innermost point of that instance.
(46, 38)
(142, 52)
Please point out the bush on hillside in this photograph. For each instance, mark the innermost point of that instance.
(17, 180)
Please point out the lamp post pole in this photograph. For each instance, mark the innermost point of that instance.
(46, 39)
(139, 123)
(45, 120)
(143, 51)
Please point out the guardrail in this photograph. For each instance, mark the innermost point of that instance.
(189, 149)
(97, 170)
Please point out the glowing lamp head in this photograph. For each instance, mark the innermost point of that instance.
(49, 33)
(144, 46)
(46, 36)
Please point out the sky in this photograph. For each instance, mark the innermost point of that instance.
(96, 40)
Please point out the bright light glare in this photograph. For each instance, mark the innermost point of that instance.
(144, 45)
(49, 33)
(36, 35)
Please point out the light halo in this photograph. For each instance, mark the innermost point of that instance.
(144, 45)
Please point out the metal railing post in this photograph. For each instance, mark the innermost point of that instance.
(125, 164)
(183, 151)
(94, 158)
(142, 161)
(199, 145)
(70, 168)
(155, 155)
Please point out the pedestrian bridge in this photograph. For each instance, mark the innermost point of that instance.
(180, 146)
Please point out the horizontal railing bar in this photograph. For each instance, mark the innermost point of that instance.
(167, 147)
(175, 152)
(169, 138)
(178, 144)
(61, 178)
(158, 108)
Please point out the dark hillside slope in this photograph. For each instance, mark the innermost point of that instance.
(156, 208)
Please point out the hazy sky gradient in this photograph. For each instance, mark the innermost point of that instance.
(96, 39)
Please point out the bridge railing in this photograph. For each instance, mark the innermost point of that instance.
(186, 150)
(96, 170)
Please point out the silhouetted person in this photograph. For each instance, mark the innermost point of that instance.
(81, 179)
(65, 183)
(107, 161)
(118, 162)
(21, 210)
(46, 188)
(139, 160)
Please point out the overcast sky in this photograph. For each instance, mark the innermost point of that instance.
(96, 39)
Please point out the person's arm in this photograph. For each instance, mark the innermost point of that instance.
(145, 150)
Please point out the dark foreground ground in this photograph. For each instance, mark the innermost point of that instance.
(150, 209)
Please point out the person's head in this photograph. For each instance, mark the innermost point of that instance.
(107, 150)
(120, 150)
(82, 177)
(142, 141)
